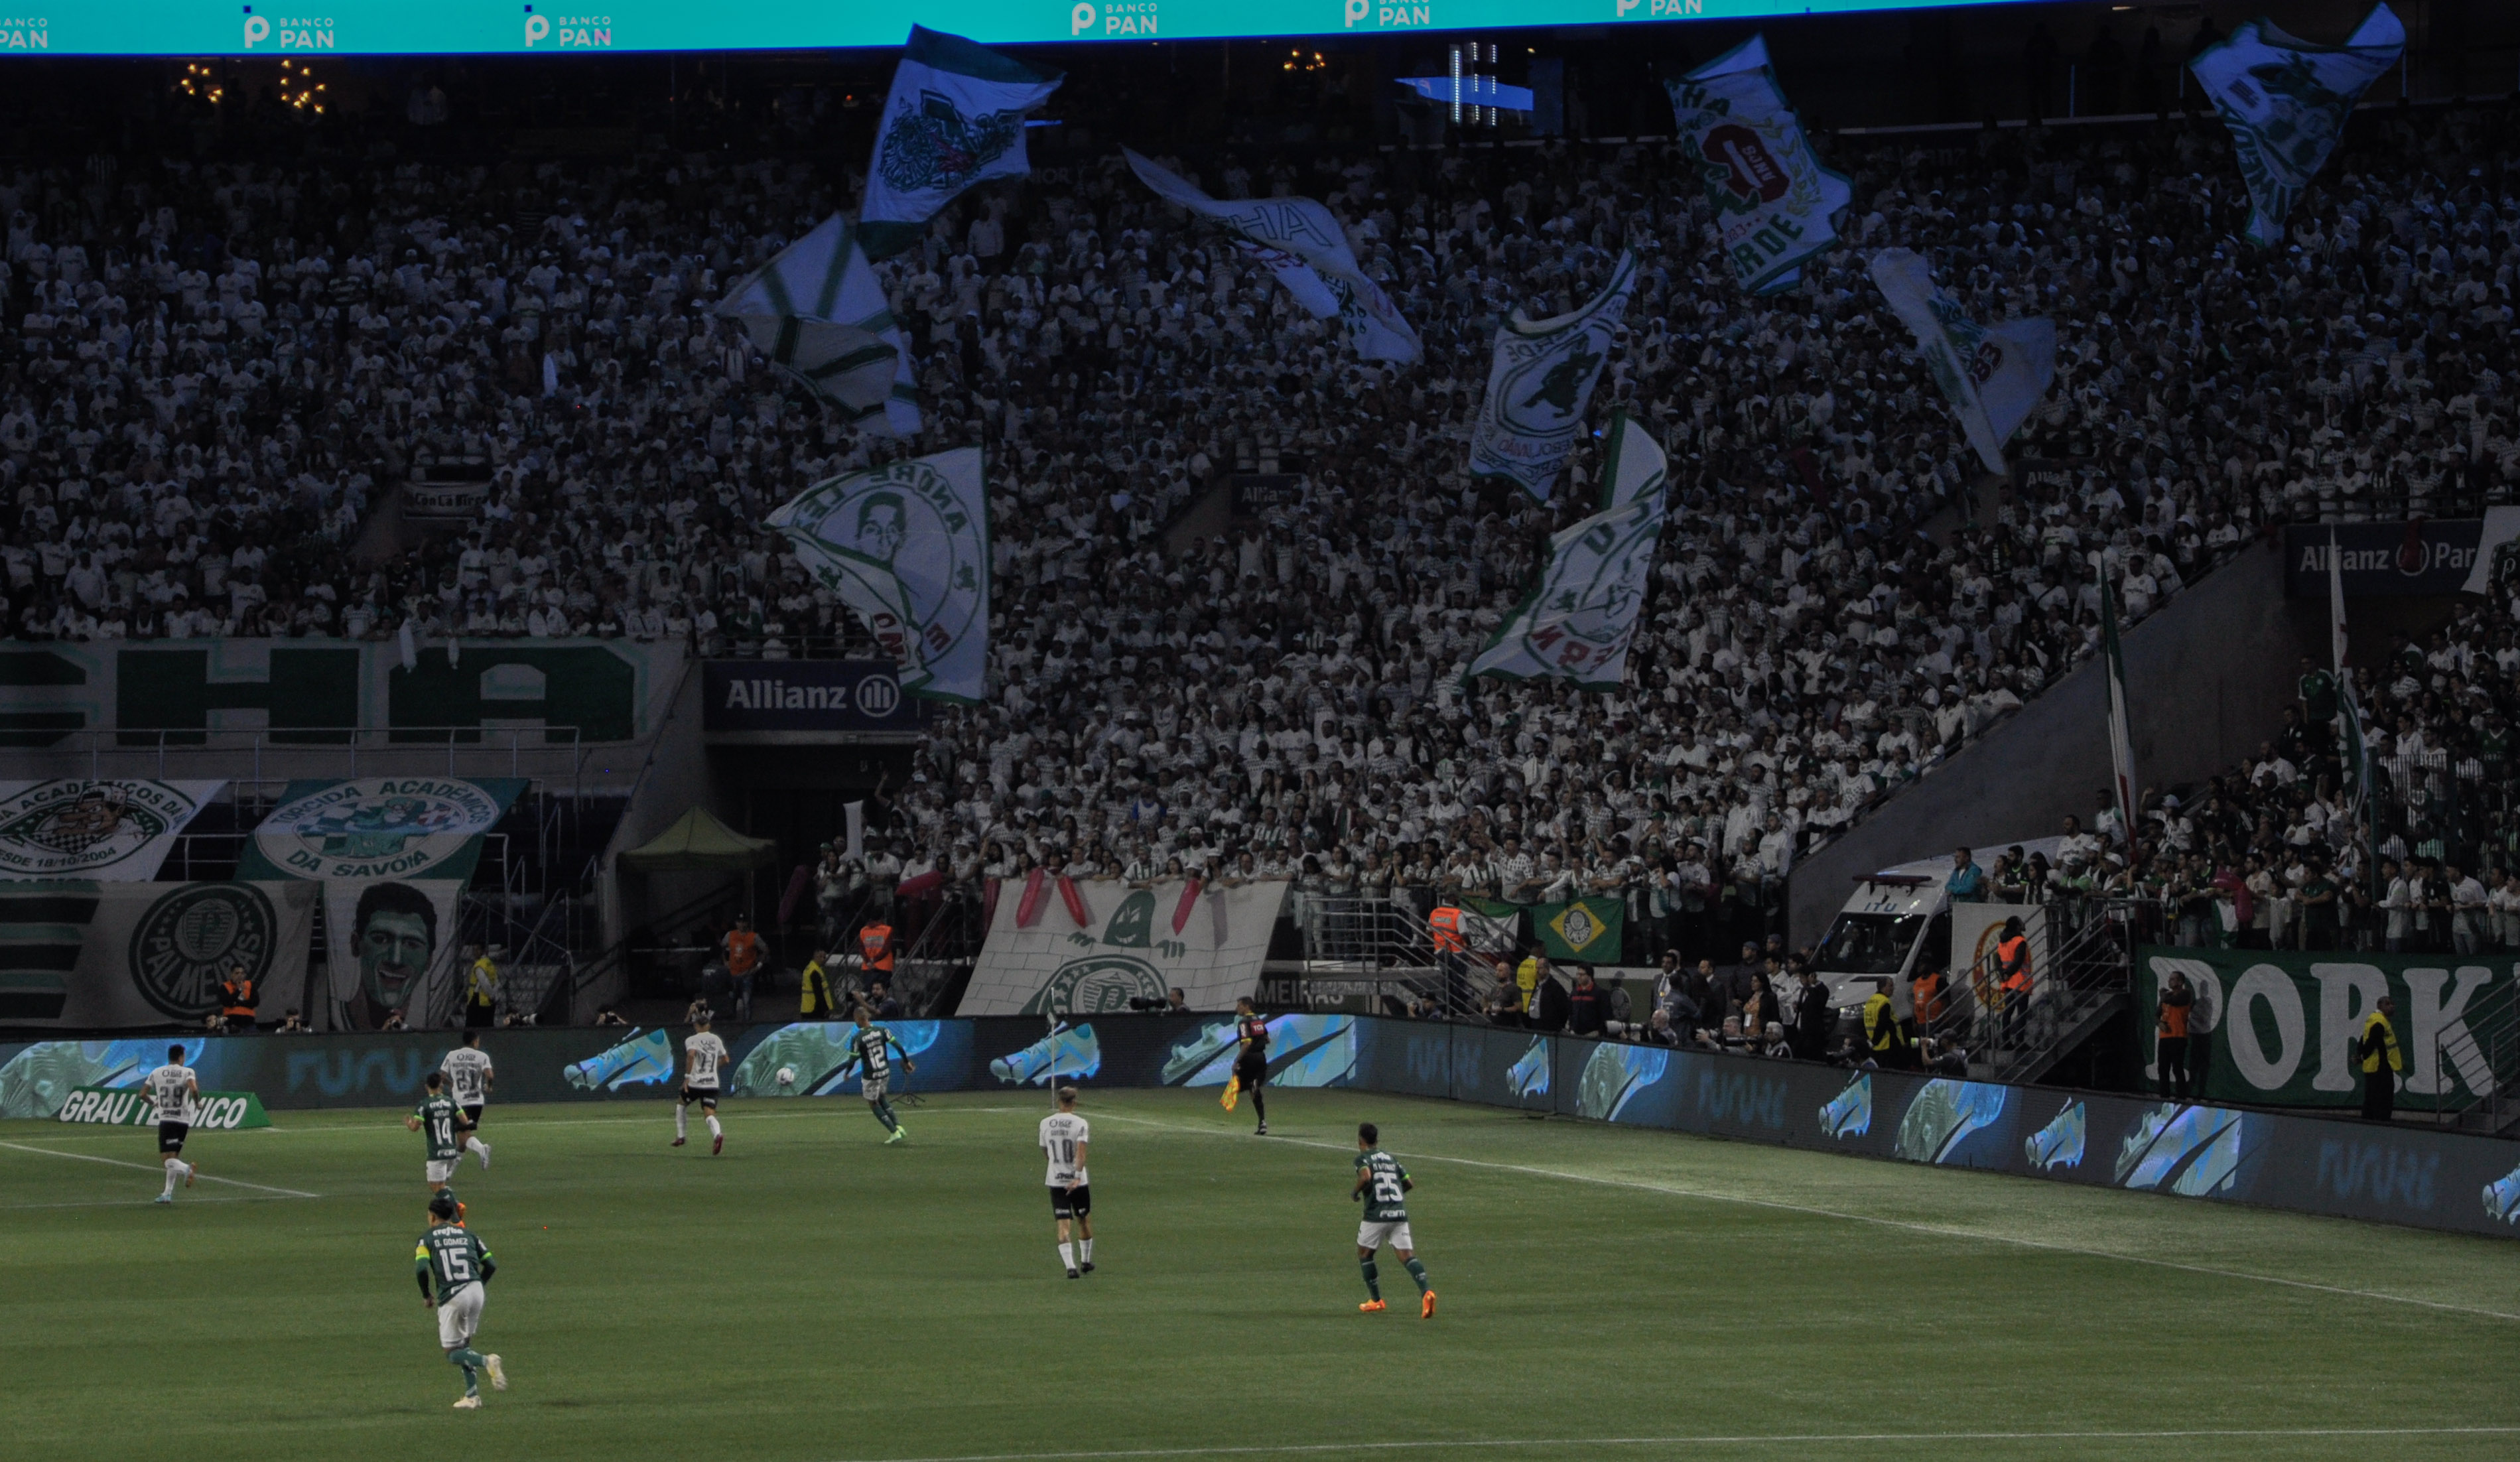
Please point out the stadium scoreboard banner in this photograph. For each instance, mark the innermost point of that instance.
(387, 28)
(2397, 1173)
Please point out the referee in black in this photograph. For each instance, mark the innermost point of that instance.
(1251, 1066)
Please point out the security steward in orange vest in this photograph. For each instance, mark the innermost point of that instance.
(874, 951)
(236, 1000)
(2169, 1034)
(1451, 955)
(2013, 976)
(743, 956)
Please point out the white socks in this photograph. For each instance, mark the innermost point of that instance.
(713, 1127)
(475, 1145)
(171, 1165)
(681, 1121)
(1085, 1251)
(1067, 1257)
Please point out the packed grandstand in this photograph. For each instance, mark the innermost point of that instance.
(221, 370)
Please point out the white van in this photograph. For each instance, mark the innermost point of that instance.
(1899, 924)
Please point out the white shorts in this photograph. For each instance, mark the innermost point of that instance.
(876, 1088)
(1376, 1235)
(458, 1316)
(440, 1170)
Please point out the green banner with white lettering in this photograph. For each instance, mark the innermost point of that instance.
(2278, 1027)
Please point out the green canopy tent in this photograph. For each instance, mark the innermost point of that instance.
(698, 843)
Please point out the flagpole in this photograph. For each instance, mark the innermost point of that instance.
(2121, 733)
(2353, 754)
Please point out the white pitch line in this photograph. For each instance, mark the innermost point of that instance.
(124, 1203)
(159, 1167)
(1805, 1438)
(1936, 1229)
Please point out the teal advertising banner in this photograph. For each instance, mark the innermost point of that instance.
(381, 27)
(2387, 1173)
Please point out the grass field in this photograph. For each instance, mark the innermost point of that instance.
(815, 1296)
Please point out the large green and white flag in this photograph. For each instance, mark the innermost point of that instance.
(907, 547)
(1772, 200)
(1993, 374)
(2286, 100)
(955, 119)
(1540, 383)
(1303, 244)
(1577, 624)
(821, 315)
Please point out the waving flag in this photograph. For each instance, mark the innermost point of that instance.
(2286, 100)
(1302, 244)
(1991, 374)
(1540, 383)
(907, 547)
(1772, 200)
(1577, 622)
(821, 316)
(955, 119)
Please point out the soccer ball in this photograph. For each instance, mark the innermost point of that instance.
(787, 1076)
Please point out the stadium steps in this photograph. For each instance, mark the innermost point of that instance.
(2084, 1019)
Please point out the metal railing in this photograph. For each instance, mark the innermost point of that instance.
(546, 753)
(537, 960)
(1365, 944)
(2081, 962)
(2484, 1039)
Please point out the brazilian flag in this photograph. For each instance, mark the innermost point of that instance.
(1585, 929)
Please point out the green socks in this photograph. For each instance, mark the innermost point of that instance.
(1417, 1272)
(1373, 1278)
(883, 1113)
(471, 1362)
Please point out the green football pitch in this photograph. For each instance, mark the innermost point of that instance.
(813, 1295)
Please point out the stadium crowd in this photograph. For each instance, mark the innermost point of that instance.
(2273, 853)
(216, 375)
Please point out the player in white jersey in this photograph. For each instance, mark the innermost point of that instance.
(702, 1053)
(1064, 1136)
(468, 1076)
(177, 1093)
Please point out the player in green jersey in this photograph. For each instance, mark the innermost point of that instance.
(871, 1051)
(441, 1123)
(1383, 1186)
(458, 1261)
